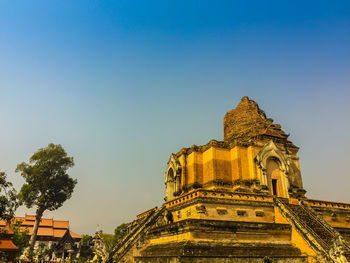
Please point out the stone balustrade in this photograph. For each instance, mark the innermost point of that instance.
(144, 214)
(218, 194)
(320, 203)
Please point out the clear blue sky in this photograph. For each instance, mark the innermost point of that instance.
(123, 84)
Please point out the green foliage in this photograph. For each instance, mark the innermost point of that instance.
(4, 256)
(20, 237)
(120, 231)
(86, 252)
(8, 198)
(267, 259)
(109, 240)
(42, 252)
(47, 185)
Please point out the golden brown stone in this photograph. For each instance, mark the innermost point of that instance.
(247, 120)
(239, 200)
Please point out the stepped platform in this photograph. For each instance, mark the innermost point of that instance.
(205, 252)
(197, 240)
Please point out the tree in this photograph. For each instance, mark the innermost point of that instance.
(8, 206)
(47, 184)
(43, 252)
(8, 198)
(85, 246)
(20, 237)
(120, 231)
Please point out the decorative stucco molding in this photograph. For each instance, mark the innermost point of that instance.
(271, 151)
(172, 177)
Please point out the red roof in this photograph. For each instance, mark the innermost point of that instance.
(48, 227)
(59, 232)
(46, 222)
(7, 245)
(28, 223)
(61, 224)
(30, 217)
(74, 235)
(7, 228)
(43, 231)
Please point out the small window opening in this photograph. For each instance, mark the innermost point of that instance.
(274, 186)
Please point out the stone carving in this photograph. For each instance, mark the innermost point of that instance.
(169, 217)
(161, 221)
(259, 213)
(247, 186)
(221, 210)
(100, 247)
(269, 151)
(242, 212)
(172, 178)
(201, 209)
(178, 213)
(165, 218)
(338, 250)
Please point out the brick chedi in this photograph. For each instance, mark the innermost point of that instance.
(253, 149)
(239, 200)
(248, 121)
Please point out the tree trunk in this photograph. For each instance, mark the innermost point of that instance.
(39, 214)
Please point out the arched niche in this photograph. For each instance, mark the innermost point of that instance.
(274, 166)
(172, 178)
(274, 176)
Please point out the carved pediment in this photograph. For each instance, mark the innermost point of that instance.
(270, 150)
(172, 178)
(175, 166)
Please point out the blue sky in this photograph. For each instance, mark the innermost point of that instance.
(123, 84)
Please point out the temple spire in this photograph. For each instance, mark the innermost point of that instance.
(247, 120)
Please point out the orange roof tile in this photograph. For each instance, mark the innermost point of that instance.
(7, 244)
(28, 223)
(47, 227)
(44, 231)
(60, 224)
(46, 222)
(59, 232)
(18, 218)
(30, 217)
(7, 228)
(74, 235)
(23, 228)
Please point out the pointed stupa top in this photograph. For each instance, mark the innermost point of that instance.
(247, 120)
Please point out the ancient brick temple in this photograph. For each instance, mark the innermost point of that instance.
(239, 200)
